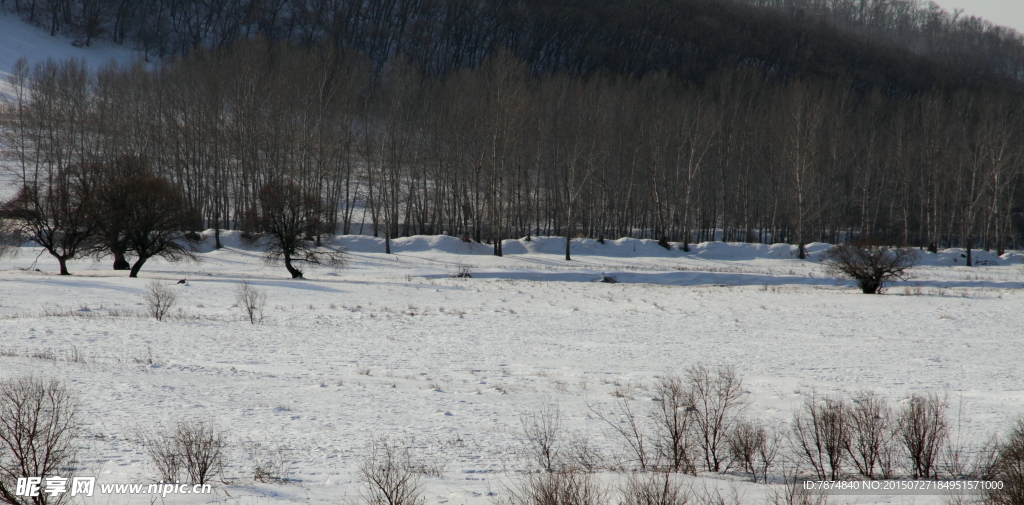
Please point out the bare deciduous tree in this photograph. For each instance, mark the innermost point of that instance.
(289, 221)
(871, 266)
(252, 300)
(38, 426)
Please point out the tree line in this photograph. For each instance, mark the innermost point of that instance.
(262, 137)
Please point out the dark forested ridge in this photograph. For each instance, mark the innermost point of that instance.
(676, 120)
(905, 44)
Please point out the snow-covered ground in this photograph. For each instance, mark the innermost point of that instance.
(392, 345)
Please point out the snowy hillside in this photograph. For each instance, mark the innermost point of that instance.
(19, 39)
(393, 345)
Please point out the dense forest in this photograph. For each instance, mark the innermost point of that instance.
(678, 120)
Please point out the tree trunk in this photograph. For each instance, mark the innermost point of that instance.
(137, 266)
(63, 265)
(970, 243)
(216, 231)
(568, 242)
(120, 263)
(296, 273)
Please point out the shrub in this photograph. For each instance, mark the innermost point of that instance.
(871, 266)
(1009, 468)
(717, 401)
(556, 488)
(268, 465)
(871, 435)
(159, 299)
(822, 436)
(252, 301)
(653, 489)
(674, 418)
(754, 447)
(923, 432)
(389, 476)
(37, 435)
(195, 447)
(541, 431)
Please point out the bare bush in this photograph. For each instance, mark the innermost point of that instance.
(201, 448)
(37, 435)
(653, 489)
(627, 424)
(195, 447)
(556, 488)
(872, 266)
(822, 436)
(252, 301)
(923, 432)
(269, 465)
(540, 434)
(1009, 468)
(754, 447)
(793, 493)
(462, 272)
(717, 402)
(673, 417)
(389, 476)
(871, 435)
(159, 299)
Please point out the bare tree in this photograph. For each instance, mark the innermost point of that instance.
(289, 221)
(871, 266)
(38, 426)
(252, 301)
(58, 215)
(144, 215)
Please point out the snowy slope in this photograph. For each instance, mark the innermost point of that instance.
(391, 345)
(19, 39)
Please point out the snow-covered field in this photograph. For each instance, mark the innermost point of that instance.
(391, 345)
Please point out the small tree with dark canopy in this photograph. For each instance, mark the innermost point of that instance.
(56, 212)
(143, 217)
(290, 224)
(872, 266)
(112, 236)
